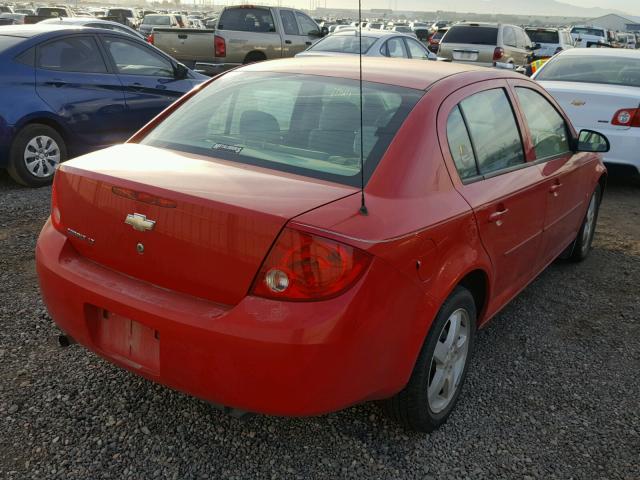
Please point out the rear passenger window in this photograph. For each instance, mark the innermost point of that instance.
(493, 131)
(394, 48)
(247, 20)
(72, 54)
(460, 145)
(547, 127)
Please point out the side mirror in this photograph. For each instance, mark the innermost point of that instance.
(324, 31)
(180, 72)
(590, 141)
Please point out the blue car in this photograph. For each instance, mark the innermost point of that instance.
(65, 91)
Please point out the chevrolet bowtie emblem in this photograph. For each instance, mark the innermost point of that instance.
(139, 222)
(578, 103)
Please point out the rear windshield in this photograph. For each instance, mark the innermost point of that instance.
(153, 20)
(247, 20)
(438, 35)
(542, 36)
(472, 35)
(6, 42)
(52, 12)
(596, 32)
(403, 29)
(592, 69)
(118, 12)
(303, 124)
(344, 44)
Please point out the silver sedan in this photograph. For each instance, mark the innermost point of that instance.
(374, 44)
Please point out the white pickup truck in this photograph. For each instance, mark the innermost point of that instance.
(590, 37)
(243, 34)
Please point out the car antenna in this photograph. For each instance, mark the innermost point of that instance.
(363, 205)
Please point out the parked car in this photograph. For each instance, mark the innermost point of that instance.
(487, 44)
(150, 22)
(588, 37)
(26, 11)
(600, 90)
(378, 43)
(435, 39)
(550, 40)
(63, 95)
(244, 34)
(627, 40)
(12, 18)
(403, 29)
(6, 9)
(224, 250)
(94, 23)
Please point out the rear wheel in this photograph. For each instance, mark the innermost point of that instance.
(582, 243)
(35, 152)
(433, 389)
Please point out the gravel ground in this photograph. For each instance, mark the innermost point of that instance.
(553, 391)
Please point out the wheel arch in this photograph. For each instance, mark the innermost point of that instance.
(44, 118)
(254, 54)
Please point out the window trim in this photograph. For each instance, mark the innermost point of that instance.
(38, 46)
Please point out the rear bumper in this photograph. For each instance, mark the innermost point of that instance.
(280, 358)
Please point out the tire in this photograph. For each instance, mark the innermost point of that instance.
(253, 57)
(417, 409)
(47, 148)
(581, 246)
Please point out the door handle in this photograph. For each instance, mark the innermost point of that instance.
(288, 42)
(182, 36)
(136, 86)
(56, 83)
(497, 216)
(555, 187)
(308, 43)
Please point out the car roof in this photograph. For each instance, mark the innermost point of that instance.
(406, 73)
(601, 52)
(27, 31)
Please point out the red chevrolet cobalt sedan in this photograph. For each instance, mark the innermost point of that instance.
(223, 251)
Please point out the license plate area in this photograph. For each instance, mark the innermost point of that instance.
(125, 340)
(465, 55)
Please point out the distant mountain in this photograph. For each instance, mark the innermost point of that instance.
(522, 7)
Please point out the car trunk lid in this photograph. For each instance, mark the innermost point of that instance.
(214, 221)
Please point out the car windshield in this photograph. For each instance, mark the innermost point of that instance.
(156, 20)
(403, 29)
(596, 32)
(120, 13)
(593, 69)
(543, 36)
(51, 12)
(344, 44)
(472, 35)
(303, 124)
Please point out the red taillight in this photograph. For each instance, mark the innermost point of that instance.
(304, 267)
(56, 219)
(220, 46)
(498, 53)
(150, 38)
(627, 117)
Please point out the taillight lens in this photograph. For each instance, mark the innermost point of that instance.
(150, 38)
(498, 53)
(305, 267)
(220, 46)
(56, 218)
(627, 117)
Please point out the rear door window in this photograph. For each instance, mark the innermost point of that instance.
(493, 131)
(71, 54)
(395, 48)
(247, 20)
(548, 129)
(472, 35)
(416, 50)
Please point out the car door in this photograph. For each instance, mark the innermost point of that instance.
(72, 77)
(293, 40)
(480, 134)
(567, 191)
(148, 78)
(308, 29)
